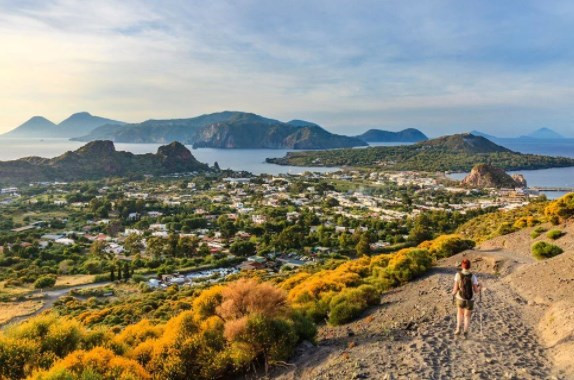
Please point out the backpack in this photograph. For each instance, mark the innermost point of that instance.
(465, 285)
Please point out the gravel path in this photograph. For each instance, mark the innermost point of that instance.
(410, 336)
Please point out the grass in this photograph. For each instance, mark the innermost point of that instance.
(35, 216)
(9, 310)
(74, 280)
(13, 291)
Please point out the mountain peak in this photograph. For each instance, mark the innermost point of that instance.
(177, 158)
(34, 125)
(544, 133)
(406, 135)
(302, 123)
(98, 148)
(81, 114)
(465, 142)
(228, 129)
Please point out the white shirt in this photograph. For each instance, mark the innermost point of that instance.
(474, 280)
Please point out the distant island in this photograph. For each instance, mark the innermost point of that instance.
(78, 124)
(539, 134)
(459, 152)
(406, 135)
(99, 159)
(232, 130)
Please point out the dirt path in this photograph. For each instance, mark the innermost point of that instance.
(49, 297)
(410, 336)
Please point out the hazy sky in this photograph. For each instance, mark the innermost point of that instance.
(502, 66)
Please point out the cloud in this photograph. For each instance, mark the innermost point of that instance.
(439, 65)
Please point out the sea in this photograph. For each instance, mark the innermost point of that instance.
(253, 160)
(556, 177)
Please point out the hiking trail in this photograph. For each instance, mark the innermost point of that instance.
(411, 334)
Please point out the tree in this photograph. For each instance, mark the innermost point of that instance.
(226, 226)
(156, 247)
(187, 246)
(204, 250)
(272, 338)
(421, 230)
(45, 282)
(97, 247)
(363, 246)
(126, 271)
(112, 274)
(243, 248)
(133, 244)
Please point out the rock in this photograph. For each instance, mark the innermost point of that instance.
(520, 180)
(488, 176)
(307, 345)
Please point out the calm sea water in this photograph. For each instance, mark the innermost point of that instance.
(253, 160)
(557, 177)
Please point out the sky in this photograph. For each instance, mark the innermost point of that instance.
(503, 67)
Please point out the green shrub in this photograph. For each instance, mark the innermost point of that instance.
(537, 232)
(447, 245)
(505, 229)
(560, 209)
(13, 356)
(350, 303)
(542, 250)
(45, 282)
(554, 234)
(345, 312)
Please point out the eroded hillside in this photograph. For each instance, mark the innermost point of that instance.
(521, 330)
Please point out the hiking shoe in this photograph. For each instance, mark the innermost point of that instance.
(457, 332)
(465, 334)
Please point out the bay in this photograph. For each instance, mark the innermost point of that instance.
(251, 160)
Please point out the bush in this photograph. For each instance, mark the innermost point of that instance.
(99, 363)
(447, 245)
(554, 234)
(526, 221)
(560, 209)
(537, 232)
(505, 229)
(345, 312)
(350, 303)
(45, 282)
(14, 355)
(542, 250)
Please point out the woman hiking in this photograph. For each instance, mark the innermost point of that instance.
(465, 285)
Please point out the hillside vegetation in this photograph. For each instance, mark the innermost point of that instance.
(99, 159)
(226, 330)
(450, 153)
(227, 130)
(502, 222)
(406, 135)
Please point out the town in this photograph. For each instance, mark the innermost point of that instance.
(207, 227)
